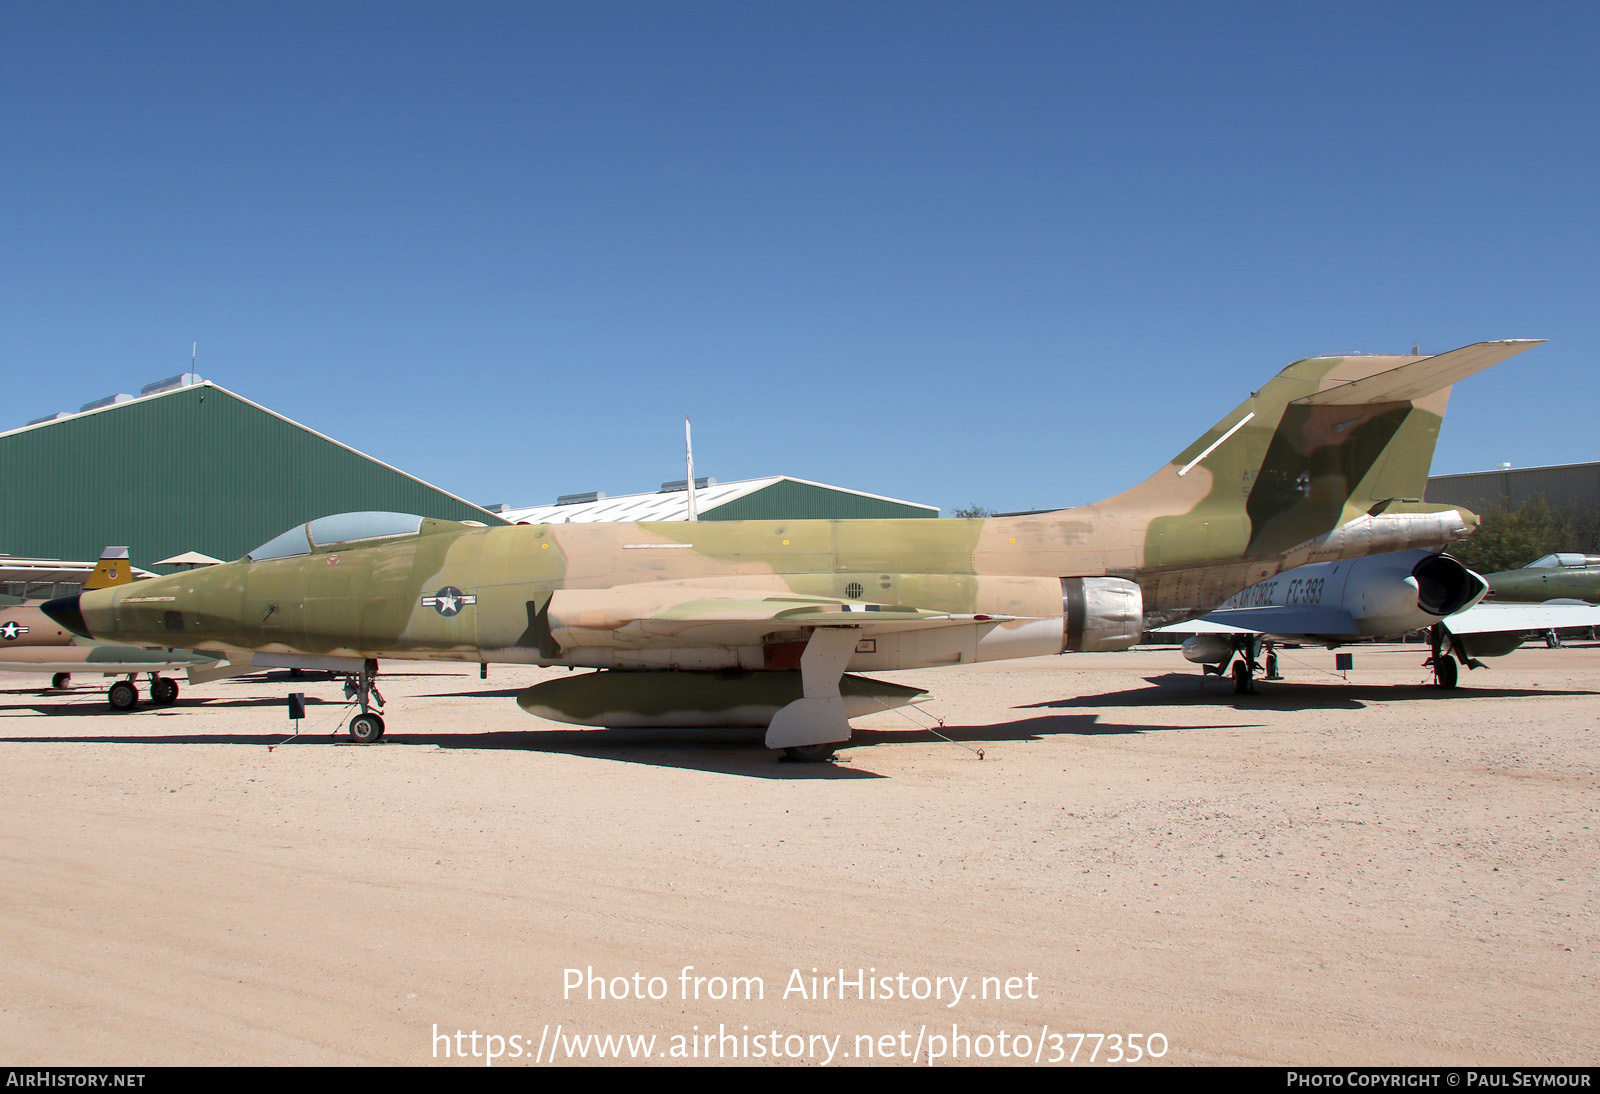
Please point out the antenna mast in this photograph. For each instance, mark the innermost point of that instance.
(688, 456)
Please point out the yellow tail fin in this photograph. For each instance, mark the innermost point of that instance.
(113, 569)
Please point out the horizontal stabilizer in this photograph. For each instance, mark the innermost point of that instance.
(1510, 618)
(1419, 378)
(1295, 620)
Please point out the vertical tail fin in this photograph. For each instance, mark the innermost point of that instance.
(1325, 441)
(113, 569)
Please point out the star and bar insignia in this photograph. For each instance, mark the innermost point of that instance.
(449, 600)
(10, 629)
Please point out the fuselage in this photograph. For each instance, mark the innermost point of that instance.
(1536, 583)
(613, 595)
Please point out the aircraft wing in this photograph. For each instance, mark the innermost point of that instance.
(614, 617)
(1499, 618)
(1289, 621)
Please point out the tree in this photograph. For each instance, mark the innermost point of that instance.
(972, 511)
(1508, 539)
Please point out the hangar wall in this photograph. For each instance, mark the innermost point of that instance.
(1508, 488)
(193, 468)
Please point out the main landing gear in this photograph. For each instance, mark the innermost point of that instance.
(812, 754)
(1443, 654)
(812, 727)
(124, 696)
(366, 727)
(1254, 655)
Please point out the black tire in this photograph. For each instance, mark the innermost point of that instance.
(1241, 678)
(1445, 672)
(811, 754)
(61, 680)
(366, 728)
(164, 691)
(122, 695)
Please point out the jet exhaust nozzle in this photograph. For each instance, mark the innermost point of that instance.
(1445, 586)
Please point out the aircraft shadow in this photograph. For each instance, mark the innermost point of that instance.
(1184, 689)
(724, 751)
(1038, 728)
(729, 752)
(493, 693)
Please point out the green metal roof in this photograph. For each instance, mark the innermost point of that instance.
(795, 499)
(776, 497)
(196, 468)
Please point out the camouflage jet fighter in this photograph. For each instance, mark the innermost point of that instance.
(31, 642)
(760, 620)
(1560, 576)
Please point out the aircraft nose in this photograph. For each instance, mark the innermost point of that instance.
(65, 611)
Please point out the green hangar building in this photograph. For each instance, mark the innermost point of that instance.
(187, 466)
(775, 497)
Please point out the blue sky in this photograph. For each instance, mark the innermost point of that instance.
(1009, 254)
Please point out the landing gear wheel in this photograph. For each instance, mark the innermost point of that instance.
(1444, 672)
(811, 754)
(1241, 678)
(122, 695)
(164, 691)
(60, 681)
(366, 728)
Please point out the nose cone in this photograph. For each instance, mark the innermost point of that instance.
(65, 611)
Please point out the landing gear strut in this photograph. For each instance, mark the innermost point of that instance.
(811, 727)
(367, 726)
(1442, 657)
(1249, 663)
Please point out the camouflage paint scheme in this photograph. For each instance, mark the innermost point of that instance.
(1554, 577)
(25, 626)
(1328, 460)
(32, 642)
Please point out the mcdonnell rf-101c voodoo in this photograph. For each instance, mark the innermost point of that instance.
(765, 622)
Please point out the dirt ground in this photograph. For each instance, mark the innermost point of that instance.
(1328, 872)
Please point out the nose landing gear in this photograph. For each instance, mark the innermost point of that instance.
(366, 727)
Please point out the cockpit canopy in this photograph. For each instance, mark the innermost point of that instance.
(1565, 559)
(339, 528)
